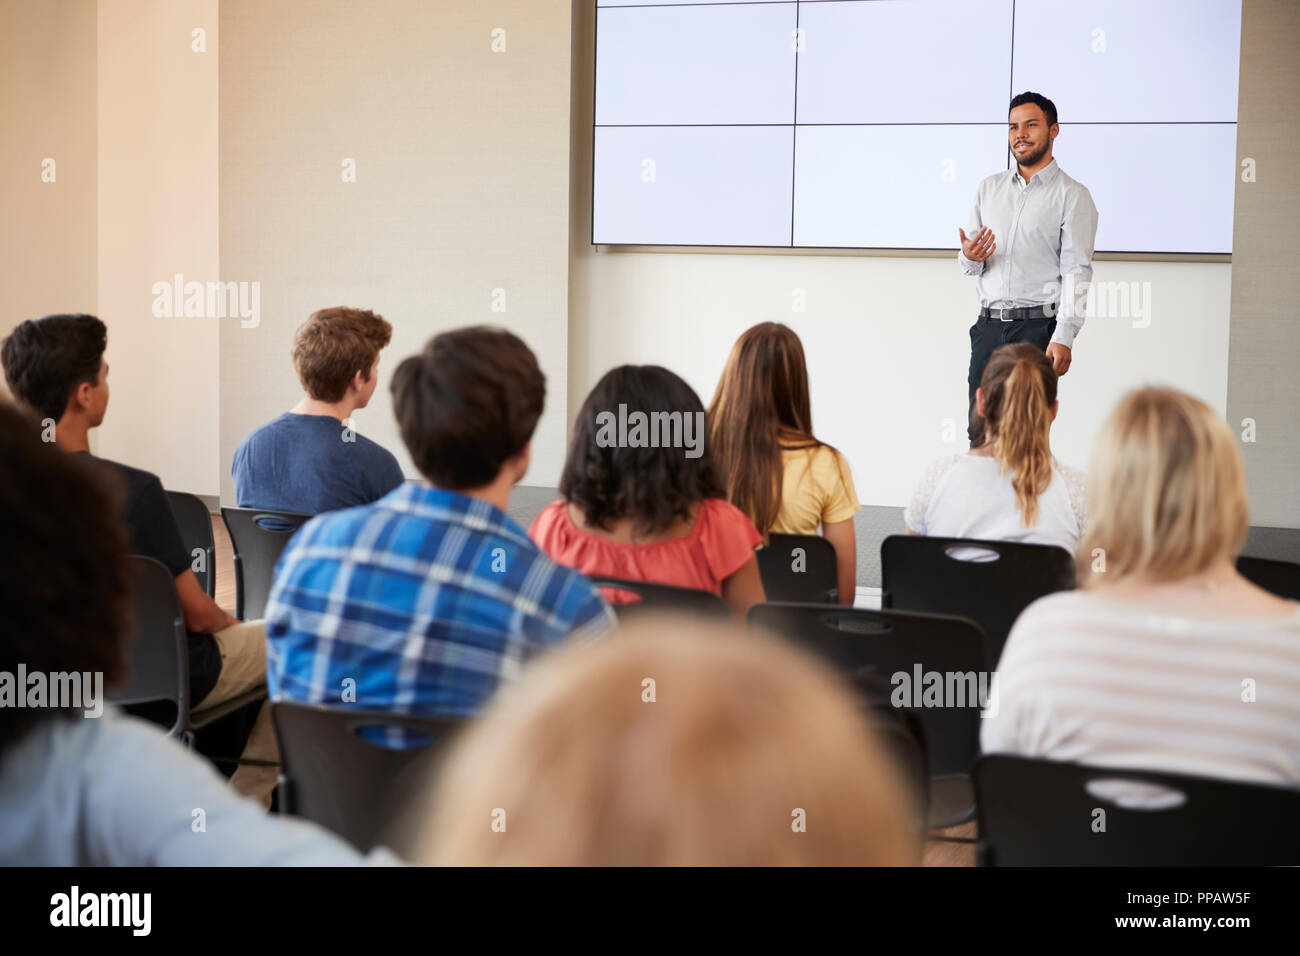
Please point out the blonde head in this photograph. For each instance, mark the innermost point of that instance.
(744, 737)
(1166, 491)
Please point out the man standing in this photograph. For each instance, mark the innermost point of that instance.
(1033, 290)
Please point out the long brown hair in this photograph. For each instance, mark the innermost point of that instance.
(760, 407)
(1019, 386)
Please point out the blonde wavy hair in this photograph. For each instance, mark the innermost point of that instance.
(1166, 491)
(580, 768)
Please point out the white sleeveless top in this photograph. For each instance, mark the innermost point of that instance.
(967, 496)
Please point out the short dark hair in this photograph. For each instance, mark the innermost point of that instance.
(1039, 100)
(467, 403)
(63, 581)
(652, 485)
(46, 359)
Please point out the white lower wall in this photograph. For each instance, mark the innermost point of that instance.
(886, 341)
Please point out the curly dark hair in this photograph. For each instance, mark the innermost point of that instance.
(46, 359)
(63, 583)
(653, 485)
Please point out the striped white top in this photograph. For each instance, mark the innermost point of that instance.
(1091, 679)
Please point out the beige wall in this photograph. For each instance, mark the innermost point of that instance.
(47, 109)
(461, 187)
(1264, 352)
(157, 218)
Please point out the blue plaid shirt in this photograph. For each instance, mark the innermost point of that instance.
(426, 599)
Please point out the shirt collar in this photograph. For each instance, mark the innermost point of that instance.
(1046, 175)
(417, 498)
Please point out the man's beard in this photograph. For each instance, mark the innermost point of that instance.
(1031, 157)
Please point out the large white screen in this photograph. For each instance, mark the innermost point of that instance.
(884, 115)
(731, 63)
(920, 185)
(1157, 188)
(1131, 61)
(887, 62)
(693, 185)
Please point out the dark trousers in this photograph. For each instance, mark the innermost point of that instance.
(985, 336)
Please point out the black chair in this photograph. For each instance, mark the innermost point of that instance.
(360, 789)
(872, 648)
(1045, 813)
(662, 597)
(816, 578)
(258, 537)
(990, 582)
(195, 523)
(1280, 577)
(157, 647)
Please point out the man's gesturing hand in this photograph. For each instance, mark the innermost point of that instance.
(1060, 356)
(979, 247)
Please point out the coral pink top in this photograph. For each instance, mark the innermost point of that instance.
(717, 546)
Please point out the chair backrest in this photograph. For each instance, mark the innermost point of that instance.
(990, 582)
(156, 643)
(1046, 813)
(258, 537)
(798, 567)
(1280, 577)
(662, 597)
(895, 656)
(358, 788)
(195, 522)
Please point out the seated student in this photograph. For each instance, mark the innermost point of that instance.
(1010, 487)
(646, 506)
(310, 460)
(774, 468)
(81, 784)
(55, 365)
(424, 601)
(751, 755)
(1167, 658)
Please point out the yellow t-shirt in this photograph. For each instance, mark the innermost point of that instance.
(816, 488)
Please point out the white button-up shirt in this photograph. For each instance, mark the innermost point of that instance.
(1044, 231)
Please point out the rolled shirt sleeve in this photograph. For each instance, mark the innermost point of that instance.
(1078, 237)
(973, 225)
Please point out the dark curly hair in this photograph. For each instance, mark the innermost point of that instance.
(63, 582)
(46, 359)
(653, 485)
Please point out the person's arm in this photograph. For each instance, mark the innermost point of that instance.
(976, 246)
(844, 539)
(152, 803)
(202, 615)
(1078, 236)
(744, 588)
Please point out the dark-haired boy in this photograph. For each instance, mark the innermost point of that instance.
(55, 366)
(426, 600)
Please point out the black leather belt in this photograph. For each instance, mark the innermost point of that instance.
(1020, 314)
